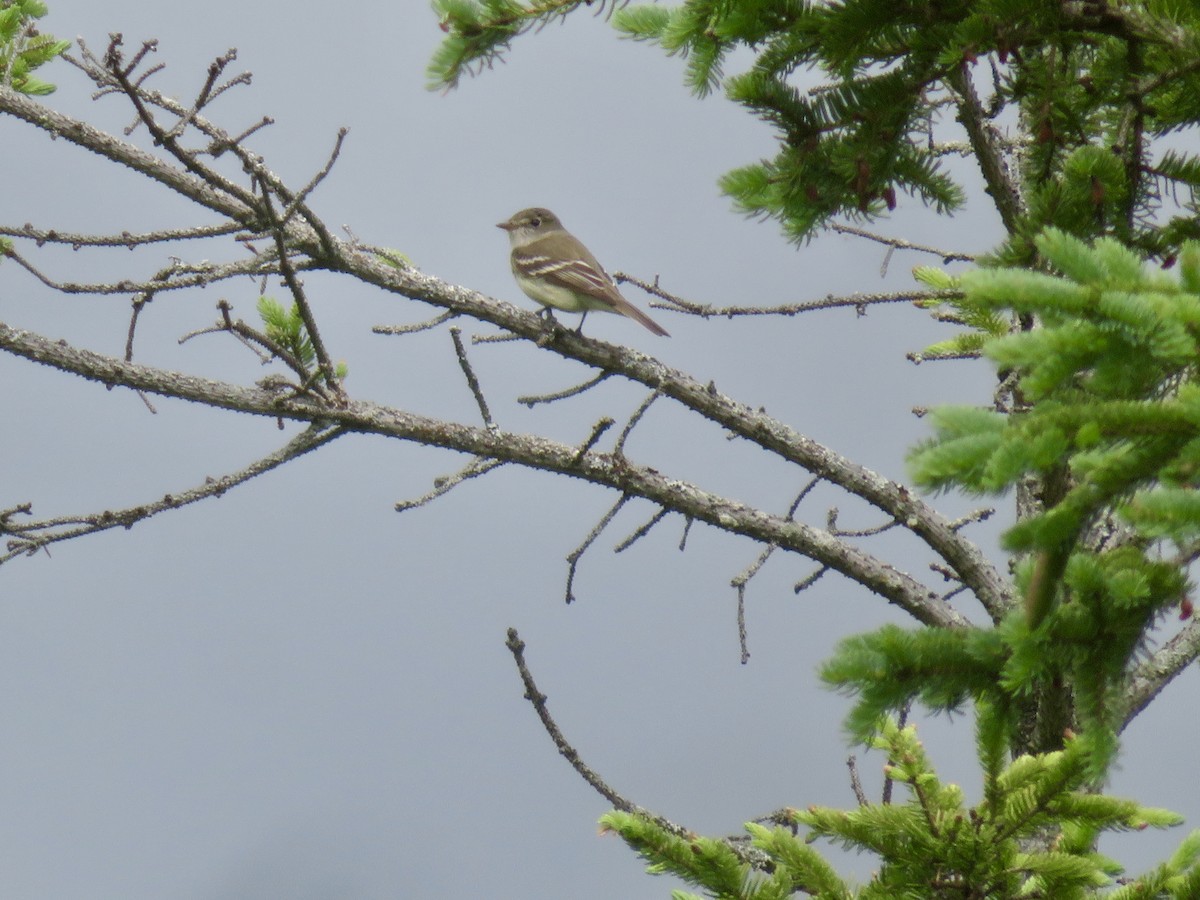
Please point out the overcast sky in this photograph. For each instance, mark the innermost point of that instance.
(295, 691)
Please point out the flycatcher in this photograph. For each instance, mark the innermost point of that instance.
(552, 267)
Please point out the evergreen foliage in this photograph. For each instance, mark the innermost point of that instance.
(1070, 111)
(23, 49)
(285, 328)
(933, 844)
(1087, 87)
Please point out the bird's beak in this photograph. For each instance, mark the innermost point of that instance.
(507, 226)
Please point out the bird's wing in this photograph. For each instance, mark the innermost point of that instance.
(586, 276)
(575, 274)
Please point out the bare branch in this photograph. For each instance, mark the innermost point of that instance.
(296, 202)
(253, 338)
(643, 481)
(113, 64)
(124, 239)
(619, 448)
(656, 290)
(445, 484)
(978, 515)
(177, 276)
(427, 325)
(947, 256)
(743, 646)
(592, 439)
(1151, 676)
(641, 531)
(858, 302)
(918, 358)
(532, 400)
(855, 783)
(575, 555)
(306, 236)
(809, 580)
(29, 537)
(740, 581)
(516, 646)
(288, 271)
(831, 523)
(472, 381)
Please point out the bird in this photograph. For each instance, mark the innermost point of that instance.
(553, 267)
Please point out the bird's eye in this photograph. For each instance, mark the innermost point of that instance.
(535, 221)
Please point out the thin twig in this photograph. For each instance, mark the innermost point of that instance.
(858, 302)
(532, 400)
(516, 647)
(888, 783)
(416, 327)
(253, 338)
(29, 537)
(809, 580)
(832, 526)
(472, 381)
(743, 644)
(739, 581)
(324, 362)
(855, 782)
(124, 239)
(215, 68)
(139, 98)
(176, 277)
(597, 431)
(574, 556)
(918, 358)
(978, 515)
(446, 483)
(947, 256)
(655, 289)
(687, 528)
(641, 531)
(619, 448)
(296, 202)
(138, 303)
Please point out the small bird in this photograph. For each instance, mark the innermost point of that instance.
(552, 267)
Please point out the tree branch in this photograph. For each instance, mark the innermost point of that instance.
(988, 149)
(988, 585)
(605, 469)
(29, 537)
(1150, 677)
(537, 699)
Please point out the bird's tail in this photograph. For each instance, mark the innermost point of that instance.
(628, 309)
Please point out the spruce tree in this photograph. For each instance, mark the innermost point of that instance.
(1089, 309)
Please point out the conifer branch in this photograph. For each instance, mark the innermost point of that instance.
(989, 149)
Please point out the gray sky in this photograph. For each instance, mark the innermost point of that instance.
(294, 691)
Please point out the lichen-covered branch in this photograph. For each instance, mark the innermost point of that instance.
(536, 452)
